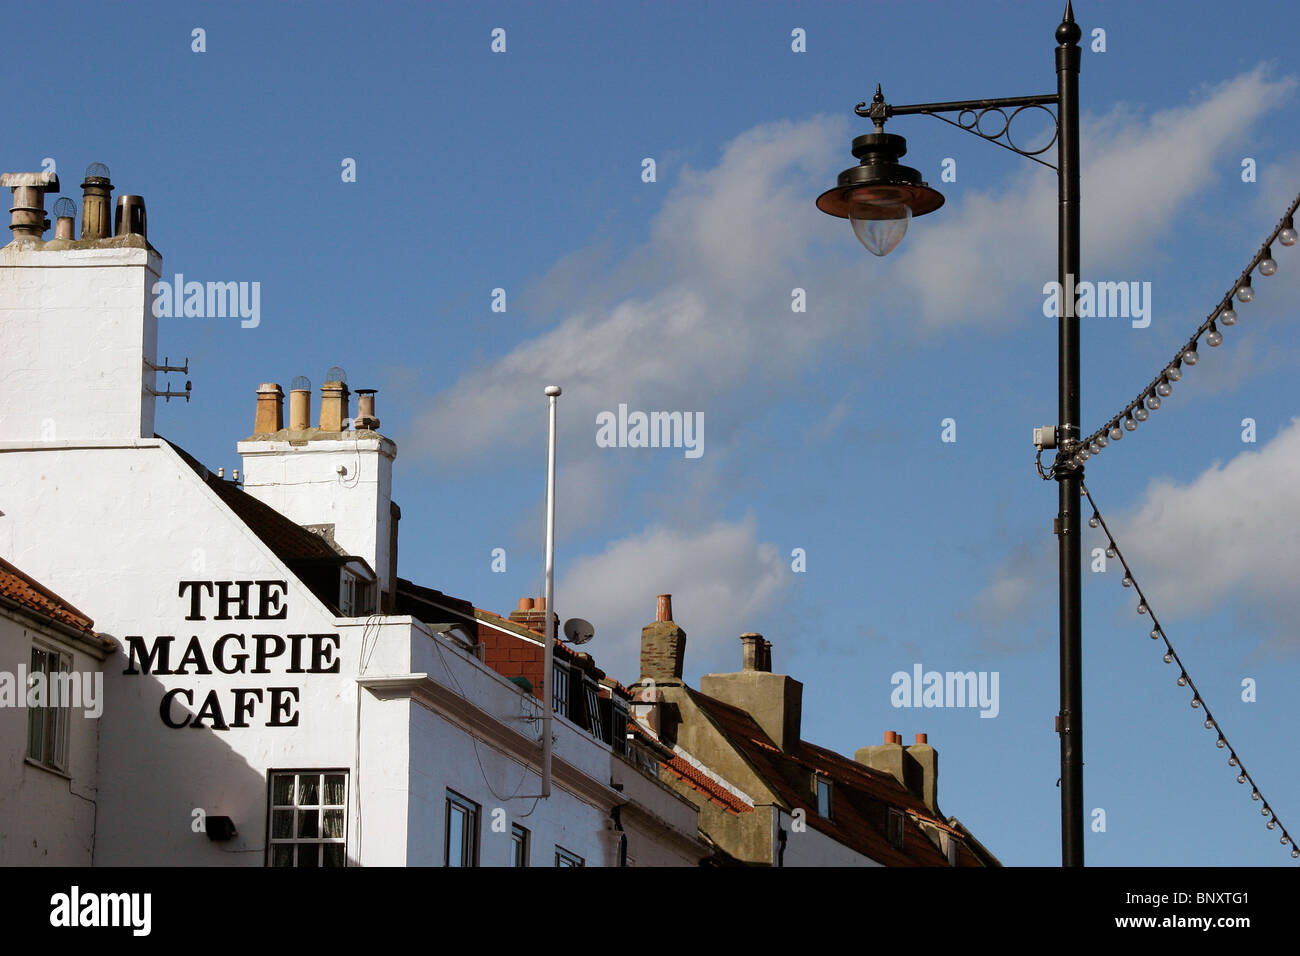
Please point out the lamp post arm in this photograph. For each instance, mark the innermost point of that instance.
(972, 115)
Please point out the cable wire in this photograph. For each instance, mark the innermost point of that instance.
(1185, 680)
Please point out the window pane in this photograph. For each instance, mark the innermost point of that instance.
(309, 790)
(333, 823)
(282, 855)
(455, 836)
(281, 824)
(309, 854)
(308, 824)
(334, 854)
(282, 790)
(334, 789)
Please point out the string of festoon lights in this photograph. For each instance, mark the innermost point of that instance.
(1160, 387)
(1185, 680)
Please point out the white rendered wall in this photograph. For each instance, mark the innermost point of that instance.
(303, 483)
(82, 323)
(47, 818)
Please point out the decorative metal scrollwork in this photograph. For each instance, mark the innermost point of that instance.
(972, 121)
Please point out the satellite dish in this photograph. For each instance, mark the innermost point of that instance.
(578, 631)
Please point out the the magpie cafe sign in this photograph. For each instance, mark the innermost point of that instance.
(233, 652)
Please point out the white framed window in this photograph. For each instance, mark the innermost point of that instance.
(823, 786)
(356, 595)
(519, 840)
(564, 857)
(47, 723)
(309, 810)
(462, 831)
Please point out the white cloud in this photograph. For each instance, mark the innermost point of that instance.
(721, 578)
(1229, 535)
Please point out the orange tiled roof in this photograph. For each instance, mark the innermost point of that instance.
(683, 770)
(31, 594)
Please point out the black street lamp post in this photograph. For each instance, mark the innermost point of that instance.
(879, 197)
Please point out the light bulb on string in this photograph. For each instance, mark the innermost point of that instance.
(1169, 659)
(1141, 413)
(1209, 723)
(1295, 853)
(1110, 551)
(1142, 609)
(1220, 743)
(1084, 454)
(1164, 388)
(1264, 811)
(1182, 680)
(1196, 702)
(1130, 424)
(1232, 761)
(1245, 292)
(1175, 372)
(1267, 266)
(1285, 840)
(1254, 795)
(1094, 449)
(1094, 521)
(1228, 316)
(1155, 631)
(1288, 234)
(1272, 824)
(1213, 337)
(1190, 357)
(1128, 581)
(1241, 778)
(1153, 401)
(1116, 433)
(1102, 440)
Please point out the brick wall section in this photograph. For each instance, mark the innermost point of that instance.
(663, 650)
(510, 656)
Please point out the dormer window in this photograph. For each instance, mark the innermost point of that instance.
(356, 594)
(823, 786)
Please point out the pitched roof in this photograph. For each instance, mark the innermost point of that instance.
(861, 797)
(692, 776)
(289, 541)
(23, 589)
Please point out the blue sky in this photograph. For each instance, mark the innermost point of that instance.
(522, 171)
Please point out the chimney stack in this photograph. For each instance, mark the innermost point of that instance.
(663, 644)
(27, 215)
(270, 408)
(96, 193)
(775, 701)
(915, 767)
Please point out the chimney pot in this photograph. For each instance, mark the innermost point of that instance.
(525, 604)
(366, 409)
(751, 648)
(95, 194)
(664, 608)
(270, 409)
(922, 738)
(27, 215)
(130, 217)
(333, 406)
(540, 604)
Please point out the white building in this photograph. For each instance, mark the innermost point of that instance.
(263, 705)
